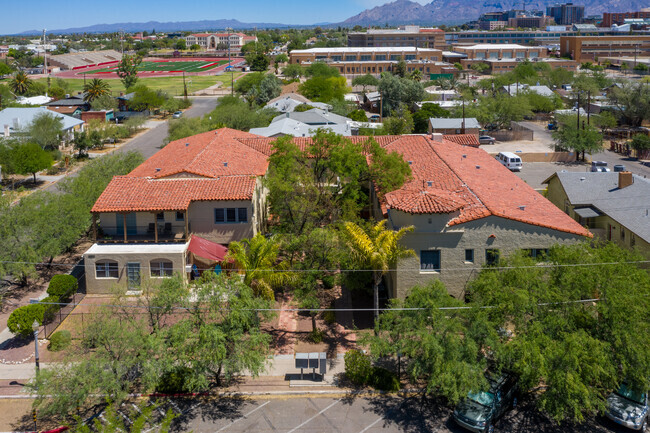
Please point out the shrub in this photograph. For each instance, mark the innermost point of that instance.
(316, 336)
(329, 317)
(329, 281)
(62, 286)
(50, 310)
(59, 341)
(21, 319)
(357, 367)
(384, 380)
(174, 382)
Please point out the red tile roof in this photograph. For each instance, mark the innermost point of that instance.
(474, 185)
(463, 139)
(133, 194)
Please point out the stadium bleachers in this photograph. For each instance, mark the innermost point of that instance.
(84, 59)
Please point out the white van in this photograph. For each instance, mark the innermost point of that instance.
(510, 160)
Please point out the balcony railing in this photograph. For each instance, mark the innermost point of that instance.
(143, 238)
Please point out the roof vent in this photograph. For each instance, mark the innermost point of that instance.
(582, 179)
(478, 166)
(429, 183)
(225, 164)
(158, 169)
(522, 207)
(187, 144)
(410, 162)
(464, 156)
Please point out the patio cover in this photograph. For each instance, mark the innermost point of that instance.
(207, 249)
(587, 212)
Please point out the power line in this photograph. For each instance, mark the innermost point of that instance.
(540, 265)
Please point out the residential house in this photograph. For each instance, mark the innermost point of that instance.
(71, 105)
(513, 90)
(450, 126)
(467, 210)
(287, 126)
(288, 102)
(614, 206)
(15, 120)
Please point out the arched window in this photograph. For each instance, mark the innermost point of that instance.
(106, 269)
(161, 268)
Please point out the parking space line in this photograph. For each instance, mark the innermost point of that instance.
(244, 416)
(315, 416)
(371, 425)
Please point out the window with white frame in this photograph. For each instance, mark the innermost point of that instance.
(106, 269)
(161, 268)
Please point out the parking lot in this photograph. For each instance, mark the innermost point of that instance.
(349, 415)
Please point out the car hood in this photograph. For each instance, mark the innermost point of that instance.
(471, 410)
(623, 406)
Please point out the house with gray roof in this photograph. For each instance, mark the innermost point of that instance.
(452, 126)
(16, 120)
(513, 90)
(614, 206)
(295, 128)
(288, 104)
(314, 117)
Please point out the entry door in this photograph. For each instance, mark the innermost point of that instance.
(131, 224)
(133, 276)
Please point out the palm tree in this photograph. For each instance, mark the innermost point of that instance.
(20, 83)
(95, 88)
(378, 250)
(258, 259)
(416, 75)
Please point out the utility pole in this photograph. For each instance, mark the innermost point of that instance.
(122, 41)
(588, 106)
(45, 54)
(462, 126)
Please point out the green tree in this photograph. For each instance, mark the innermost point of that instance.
(365, 81)
(631, 102)
(279, 59)
(258, 62)
(195, 47)
(269, 88)
(358, 115)
(580, 139)
(400, 123)
(104, 102)
(377, 249)
(640, 142)
(180, 44)
(480, 67)
(395, 91)
(127, 70)
(293, 71)
(399, 69)
(415, 75)
(422, 116)
(324, 89)
(20, 83)
(95, 88)
(30, 158)
(5, 69)
(320, 69)
(46, 130)
(146, 99)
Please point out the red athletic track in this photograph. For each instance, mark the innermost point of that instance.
(79, 73)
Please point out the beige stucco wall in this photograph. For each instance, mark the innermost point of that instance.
(431, 233)
(96, 285)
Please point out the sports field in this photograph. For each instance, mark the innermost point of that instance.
(170, 66)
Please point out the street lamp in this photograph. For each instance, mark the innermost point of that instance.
(35, 327)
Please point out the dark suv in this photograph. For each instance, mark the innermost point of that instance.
(629, 407)
(480, 410)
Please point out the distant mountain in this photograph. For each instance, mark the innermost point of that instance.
(458, 11)
(162, 27)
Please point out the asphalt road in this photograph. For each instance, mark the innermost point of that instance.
(352, 415)
(151, 141)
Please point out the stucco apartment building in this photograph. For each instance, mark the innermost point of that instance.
(468, 210)
(185, 204)
(365, 60)
(614, 206)
(592, 48)
(406, 36)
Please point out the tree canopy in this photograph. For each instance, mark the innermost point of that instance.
(46, 130)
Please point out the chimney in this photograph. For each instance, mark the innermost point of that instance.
(625, 179)
(67, 96)
(6, 131)
(436, 136)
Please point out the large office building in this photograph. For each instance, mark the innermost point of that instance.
(591, 48)
(566, 14)
(528, 37)
(407, 36)
(618, 18)
(374, 61)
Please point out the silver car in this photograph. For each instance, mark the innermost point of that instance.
(177, 115)
(628, 407)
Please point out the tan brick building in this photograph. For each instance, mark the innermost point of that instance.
(591, 48)
(407, 36)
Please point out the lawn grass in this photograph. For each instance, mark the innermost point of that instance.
(171, 85)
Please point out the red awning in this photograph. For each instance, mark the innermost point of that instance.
(207, 249)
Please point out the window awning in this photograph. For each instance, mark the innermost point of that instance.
(207, 249)
(587, 212)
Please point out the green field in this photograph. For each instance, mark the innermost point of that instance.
(171, 85)
(186, 66)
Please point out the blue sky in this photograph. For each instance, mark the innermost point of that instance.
(59, 14)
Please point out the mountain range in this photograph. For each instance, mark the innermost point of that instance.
(459, 11)
(393, 13)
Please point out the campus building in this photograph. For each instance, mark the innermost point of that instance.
(179, 210)
(591, 48)
(550, 36)
(360, 61)
(618, 18)
(218, 41)
(566, 14)
(406, 36)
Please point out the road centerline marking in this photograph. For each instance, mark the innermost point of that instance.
(315, 416)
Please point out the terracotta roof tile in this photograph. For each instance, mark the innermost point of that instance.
(132, 194)
(463, 139)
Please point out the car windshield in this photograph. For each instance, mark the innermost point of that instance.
(482, 398)
(631, 394)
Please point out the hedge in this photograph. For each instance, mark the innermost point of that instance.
(50, 308)
(59, 340)
(21, 319)
(62, 286)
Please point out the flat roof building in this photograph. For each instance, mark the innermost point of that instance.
(407, 36)
(592, 48)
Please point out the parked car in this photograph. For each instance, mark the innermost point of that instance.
(479, 411)
(177, 115)
(599, 167)
(510, 160)
(619, 167)
(375, 118)
(486, 139)
(628, 407)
